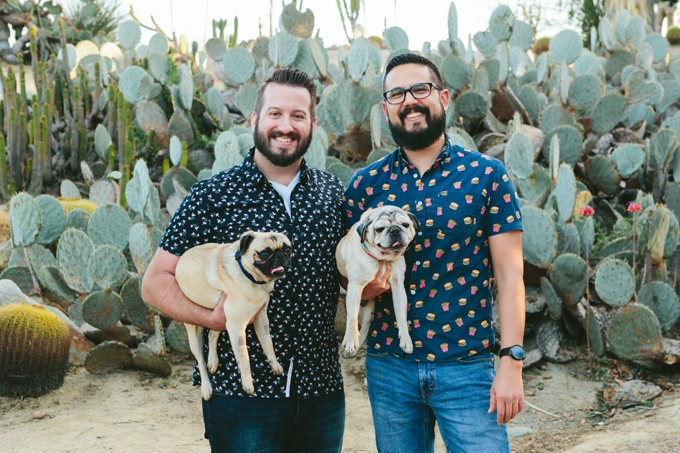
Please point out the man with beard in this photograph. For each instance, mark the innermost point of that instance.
(470, 218)
(273, 190)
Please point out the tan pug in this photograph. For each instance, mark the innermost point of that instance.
(246, 271)
(380, 236)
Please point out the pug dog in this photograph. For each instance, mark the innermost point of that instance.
(246, 271)
(380, 236)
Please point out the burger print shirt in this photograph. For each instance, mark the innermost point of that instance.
(464, 198)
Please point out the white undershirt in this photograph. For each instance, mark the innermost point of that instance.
(286, 191)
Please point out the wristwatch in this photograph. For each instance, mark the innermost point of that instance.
(516, 352)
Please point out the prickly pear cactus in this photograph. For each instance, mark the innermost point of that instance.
(73, 254)
(108, 356)
(634, 333)
(109, 224)
(108, 267)
(138, 312)
(568, 276)
(25, 219)
(663, 301)
(615, 282)
(539, 239)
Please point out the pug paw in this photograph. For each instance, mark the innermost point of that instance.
(206, 390)
(276, 367)
(406, 344)
(247, 385)
(213, 361)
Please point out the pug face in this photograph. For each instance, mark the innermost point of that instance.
(266, 255)
(388, 228)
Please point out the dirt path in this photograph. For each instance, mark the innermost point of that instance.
(130, 411)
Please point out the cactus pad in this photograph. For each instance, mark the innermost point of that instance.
(102, 309)
(471, 105)
(342, 171)
(140, 247)
(395, 38)
(245, 99)
(53, 219)
(77, 218)
(603, 175)
(551, 299)
(283, 49)
(628, 159)
(130, 82)
(151, 117)
(585, 91)
(554, 115)
(522, 35)
(565, 47)
(501, 22)
(102, 141)
(177, 337)
(486, 43)
(536, 188)
(23, 278)
(634, 333)
(519, 156)
(109, 224)
(129, 34)
(357, 60)
(25, 219)
(568, 276)
(108, 356)
(565, 191)
(104, 191)
(108, 267)
(53, 286)
(614, 282)
(571, 145)
(663, 301)
(638, 89)
(137, 312)
(455, 72)
(539, 239)
(671, 95)
(73, 254)
(69, 190)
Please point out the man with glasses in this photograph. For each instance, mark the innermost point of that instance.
(470, 217)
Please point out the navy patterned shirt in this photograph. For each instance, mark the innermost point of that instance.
(302, 306)
(464, 198)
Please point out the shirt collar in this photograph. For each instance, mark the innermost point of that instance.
(447, 152)
(253, 176)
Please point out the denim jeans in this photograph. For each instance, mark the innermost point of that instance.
(275, 425)
(407, 398)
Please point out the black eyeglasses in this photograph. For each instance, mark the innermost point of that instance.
(418, 91)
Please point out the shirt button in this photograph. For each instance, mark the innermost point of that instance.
(420, 233)
(419, 203)
(413, 292)
(415, 175)
(417, 263)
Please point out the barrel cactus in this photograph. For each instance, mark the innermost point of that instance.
(34, 350)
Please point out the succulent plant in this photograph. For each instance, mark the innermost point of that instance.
(634, 333)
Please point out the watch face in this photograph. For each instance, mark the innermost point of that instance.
(517, 352)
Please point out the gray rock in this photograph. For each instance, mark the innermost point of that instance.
(519, 431)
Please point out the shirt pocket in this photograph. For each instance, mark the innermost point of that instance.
(456, 214)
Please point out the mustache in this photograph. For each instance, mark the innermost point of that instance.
(277, 133)
(414, 109)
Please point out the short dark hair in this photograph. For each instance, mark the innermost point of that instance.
(412, 58)
(293, 78)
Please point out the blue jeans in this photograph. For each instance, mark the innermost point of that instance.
(275, 425)
(408, 397)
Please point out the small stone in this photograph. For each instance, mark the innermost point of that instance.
(519, 431)
(39, 415)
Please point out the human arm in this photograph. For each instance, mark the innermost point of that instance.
(379, 285)
(507, 393)
(160, 290)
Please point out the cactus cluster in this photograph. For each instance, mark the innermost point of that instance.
(135, 124)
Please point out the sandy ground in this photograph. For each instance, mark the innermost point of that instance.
(129, 410)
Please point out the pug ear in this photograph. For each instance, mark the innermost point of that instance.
(414, 219)
(363, 227)
(246, 239)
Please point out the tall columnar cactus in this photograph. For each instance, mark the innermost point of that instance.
(34, 350)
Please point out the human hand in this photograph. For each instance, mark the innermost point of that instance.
(217, 319)
(380, 283)
(507, 391)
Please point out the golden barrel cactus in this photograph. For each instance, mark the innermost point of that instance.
(34, 350)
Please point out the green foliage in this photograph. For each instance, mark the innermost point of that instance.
(673, 36)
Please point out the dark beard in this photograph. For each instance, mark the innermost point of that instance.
(280, 160)
(421, 138)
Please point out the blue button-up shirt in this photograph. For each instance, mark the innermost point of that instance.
(460, 201)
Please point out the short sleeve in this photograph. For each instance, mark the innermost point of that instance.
(502, 204)
(190, 225)
(352, 202)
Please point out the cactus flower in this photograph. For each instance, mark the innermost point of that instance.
(634, 207)
(586, 211)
